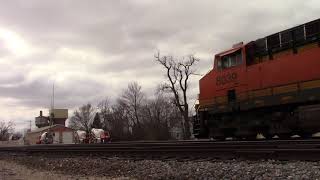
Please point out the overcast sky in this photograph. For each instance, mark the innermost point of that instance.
(92, 49)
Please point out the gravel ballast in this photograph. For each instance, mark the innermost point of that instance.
(98, 168)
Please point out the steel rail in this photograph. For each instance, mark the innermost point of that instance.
(279, 149)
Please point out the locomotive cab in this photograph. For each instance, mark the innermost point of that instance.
(228, 66)
(229, 59)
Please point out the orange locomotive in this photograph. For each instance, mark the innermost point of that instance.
(269, 86)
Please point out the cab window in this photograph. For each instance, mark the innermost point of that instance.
(230, 60)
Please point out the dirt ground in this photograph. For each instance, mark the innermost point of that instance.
(14, 171)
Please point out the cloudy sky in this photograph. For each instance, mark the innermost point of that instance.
(92, 49)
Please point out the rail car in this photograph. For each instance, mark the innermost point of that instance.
(269, 86)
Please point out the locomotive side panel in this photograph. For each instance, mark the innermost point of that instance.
(247, 81)
(206, 97)
(303, 66)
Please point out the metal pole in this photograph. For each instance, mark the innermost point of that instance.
(53, 96)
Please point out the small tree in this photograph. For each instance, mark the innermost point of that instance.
(82, 118)
(132, 100)
(105, 112)
(119, 123)
(97, 121)
(178, 74)
(6, 128)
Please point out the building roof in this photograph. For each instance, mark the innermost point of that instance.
(47, 127)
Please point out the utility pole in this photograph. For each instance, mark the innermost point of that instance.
(52, 107)
(51, 119)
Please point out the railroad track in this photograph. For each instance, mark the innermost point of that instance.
(183, 150)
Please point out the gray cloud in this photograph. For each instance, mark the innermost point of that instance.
(3, 51)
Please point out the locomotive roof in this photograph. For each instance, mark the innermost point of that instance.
(229, 51)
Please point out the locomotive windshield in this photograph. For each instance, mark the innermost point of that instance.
(230, 60)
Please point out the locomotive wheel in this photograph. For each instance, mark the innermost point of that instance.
(250, 137)
(285, 136)
(269, 136)
(306, 135)
(219, 138)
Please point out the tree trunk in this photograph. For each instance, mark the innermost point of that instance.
(187, 133)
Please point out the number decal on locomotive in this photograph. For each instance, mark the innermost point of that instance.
(227, 78)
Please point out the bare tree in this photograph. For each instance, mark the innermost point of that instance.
(132, 101)
(178, 74)
(119, 123)
(97, 121)
(83, 117)
(160, 114)
(114, 119)
(105, 112)
(6, 128)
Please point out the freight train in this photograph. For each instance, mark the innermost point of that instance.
(269, 86)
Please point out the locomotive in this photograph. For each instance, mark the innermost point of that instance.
(269, 86)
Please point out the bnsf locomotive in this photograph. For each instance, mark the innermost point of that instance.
(269, 86)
